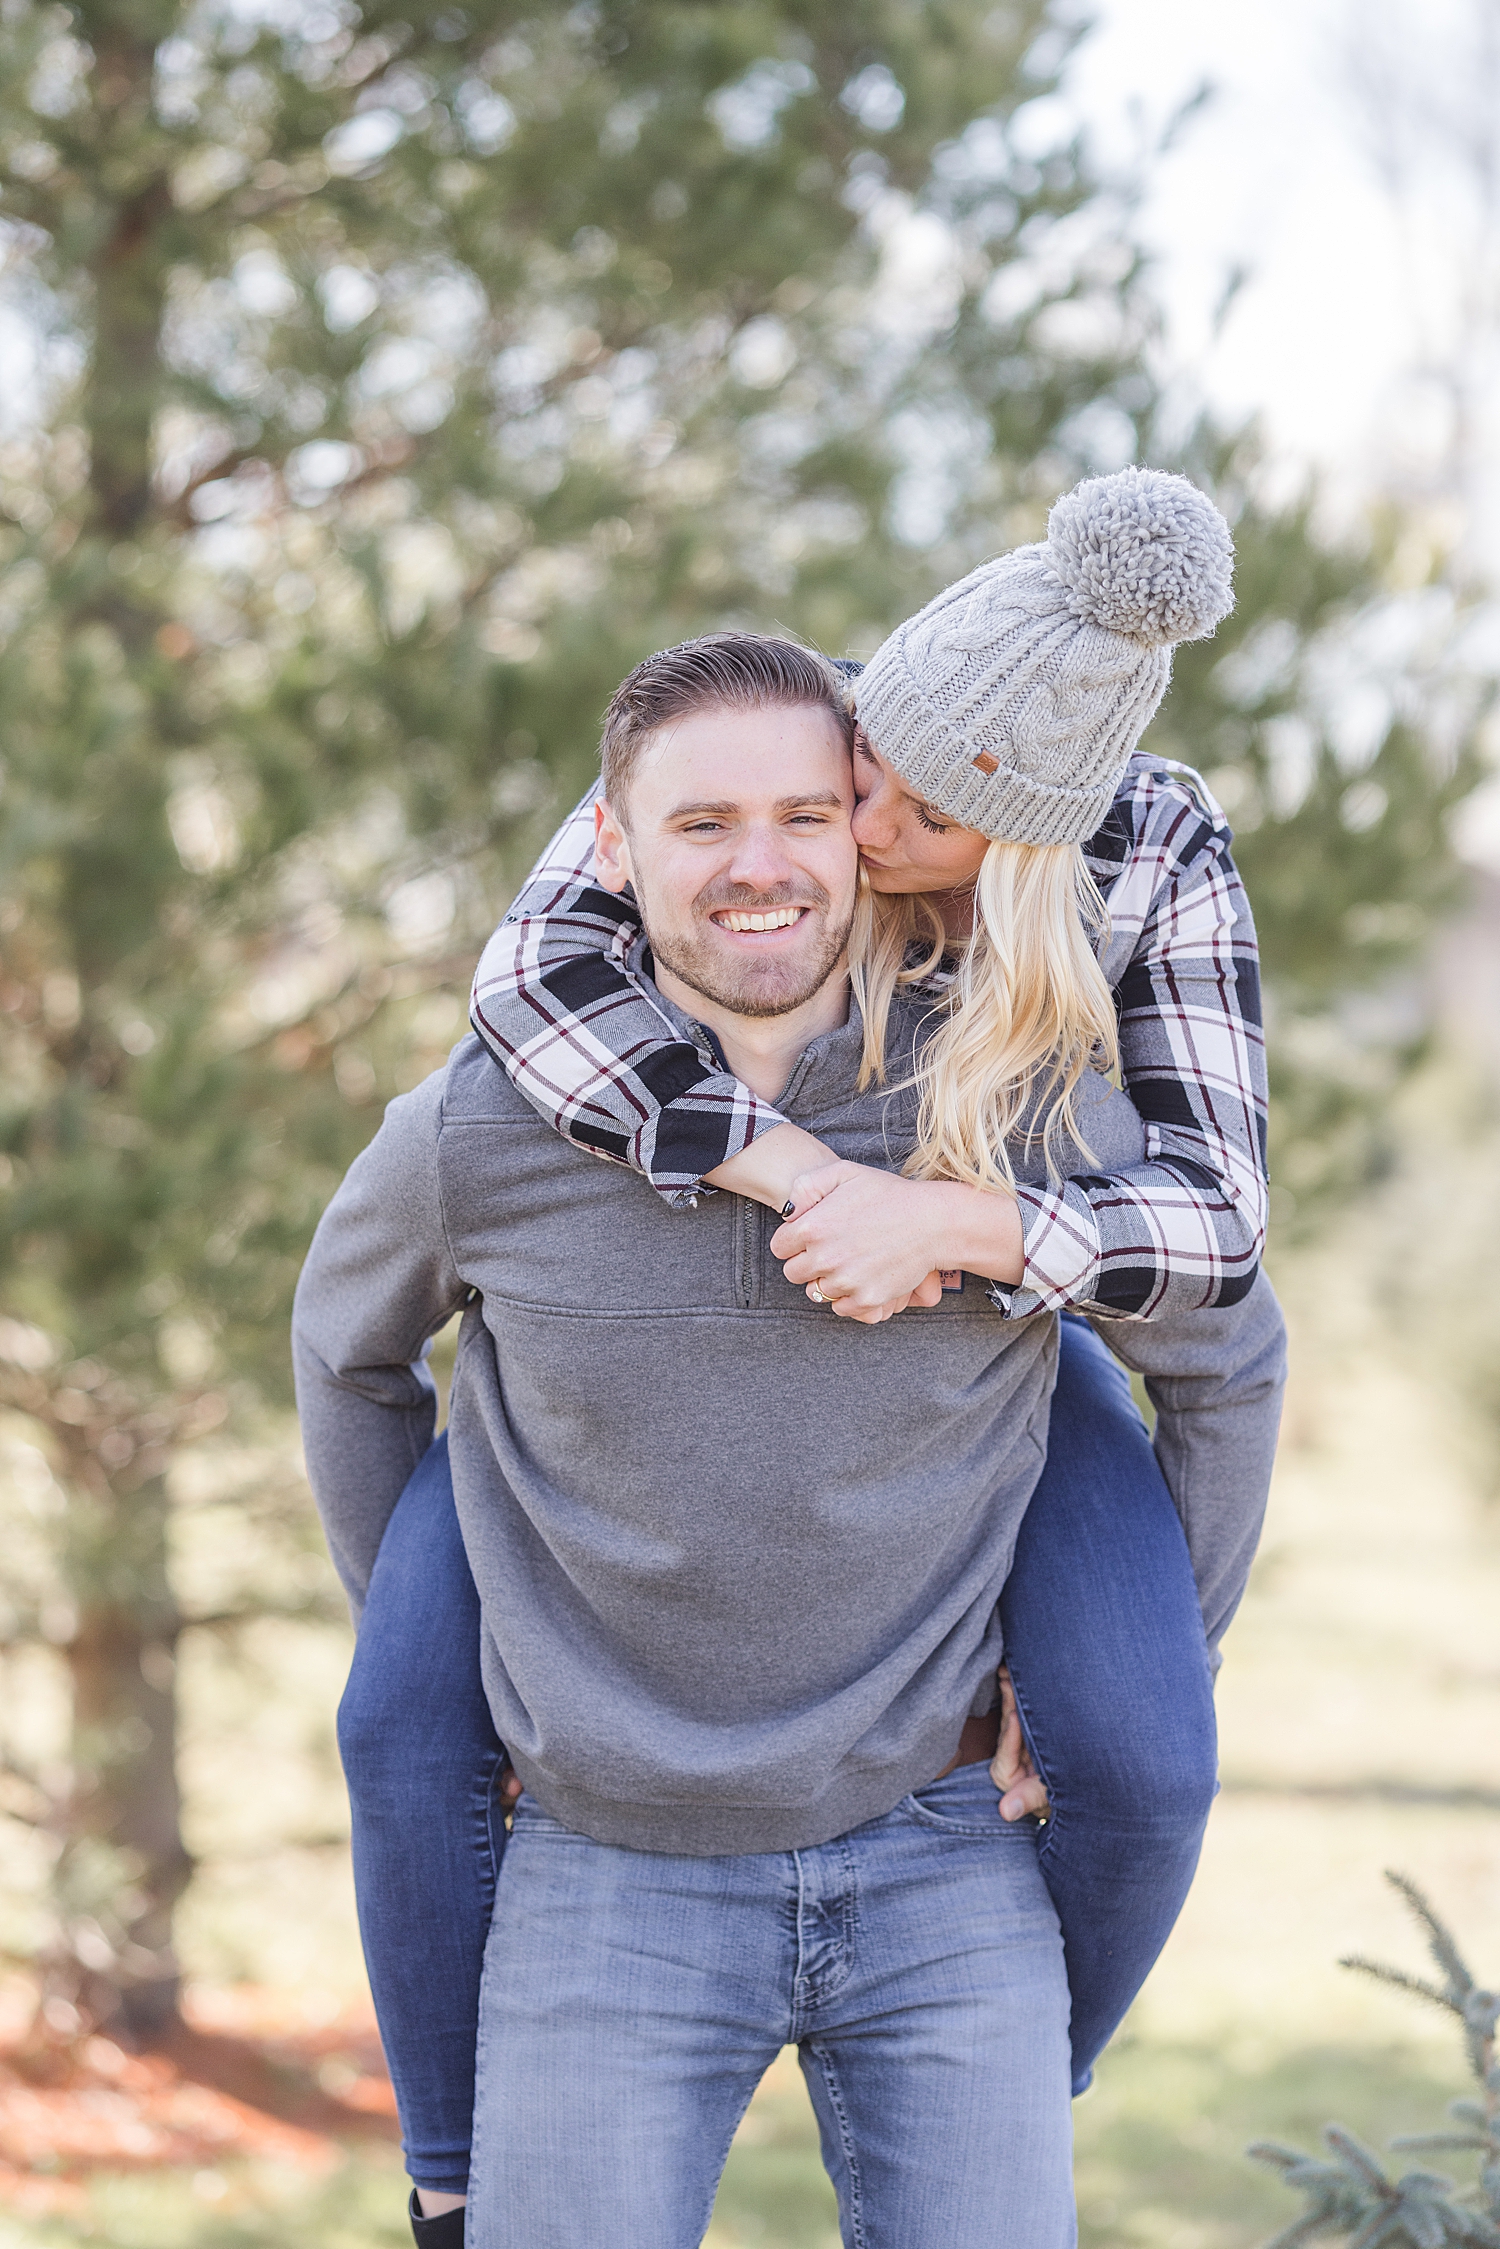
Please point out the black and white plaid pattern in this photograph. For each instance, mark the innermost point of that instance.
(584, 1039)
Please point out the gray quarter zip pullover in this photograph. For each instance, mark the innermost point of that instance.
(738, 1560)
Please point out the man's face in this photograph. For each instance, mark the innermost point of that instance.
(738, 818)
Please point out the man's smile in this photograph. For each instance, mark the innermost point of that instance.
(742, 924)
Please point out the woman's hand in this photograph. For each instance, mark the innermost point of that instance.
(861, 1239)
(1022, 1789)
(871, 1243)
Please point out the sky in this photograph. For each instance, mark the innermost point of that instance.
(1349, 285)
(1357, 278)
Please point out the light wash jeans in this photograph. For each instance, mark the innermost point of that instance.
(632, 2001)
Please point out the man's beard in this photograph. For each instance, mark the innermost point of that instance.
(742, 984)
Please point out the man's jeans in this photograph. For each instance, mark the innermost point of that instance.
(632, 2001)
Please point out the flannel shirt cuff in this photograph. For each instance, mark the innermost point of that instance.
(675, 1193)
(693, 1134)
(1063, 1257)
(674, 1148)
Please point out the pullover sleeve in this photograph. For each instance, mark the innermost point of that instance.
(582, 1038)
(1184, 1229)
(378, 1283)
(1216, 1379)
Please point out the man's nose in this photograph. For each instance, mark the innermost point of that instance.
(761, 859)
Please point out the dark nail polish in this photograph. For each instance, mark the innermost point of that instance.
(788, 1208)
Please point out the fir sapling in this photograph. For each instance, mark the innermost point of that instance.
(1351, 2195)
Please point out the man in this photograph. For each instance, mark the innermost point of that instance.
(738, 1565)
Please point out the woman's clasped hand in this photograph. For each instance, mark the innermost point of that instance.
(868, 1243)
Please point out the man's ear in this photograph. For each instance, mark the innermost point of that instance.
(611, 850)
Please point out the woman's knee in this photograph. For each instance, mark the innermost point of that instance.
(414, 1713)
(398, 1772)
(372, 1741)
(1158, 1778)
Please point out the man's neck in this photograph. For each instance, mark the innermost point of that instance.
(763, 1050)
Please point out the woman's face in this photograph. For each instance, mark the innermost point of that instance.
(903, 844)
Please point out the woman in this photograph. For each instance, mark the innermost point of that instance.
(1001, 812)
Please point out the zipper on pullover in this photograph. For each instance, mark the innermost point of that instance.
(749, 1252)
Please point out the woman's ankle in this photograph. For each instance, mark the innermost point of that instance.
(432, 2202)
(439, 2229)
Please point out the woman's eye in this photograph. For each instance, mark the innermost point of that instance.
(933, 827)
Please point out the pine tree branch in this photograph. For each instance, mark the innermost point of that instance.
(1362, 2163)
(1441, 1945)
(1378, 2230)
(1414, 2142)
(1401, 1980)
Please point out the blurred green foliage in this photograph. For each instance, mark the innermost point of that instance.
(1353, 2195)
(1340, 713)
(394, 385)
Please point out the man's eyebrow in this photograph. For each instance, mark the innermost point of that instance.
(813, 797)
(727, 810)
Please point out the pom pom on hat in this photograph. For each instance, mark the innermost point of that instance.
(1144, 554)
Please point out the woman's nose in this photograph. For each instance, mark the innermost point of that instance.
(872, 824)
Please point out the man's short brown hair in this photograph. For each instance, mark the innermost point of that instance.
(722, 671)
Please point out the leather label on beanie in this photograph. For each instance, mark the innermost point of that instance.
(985, 762)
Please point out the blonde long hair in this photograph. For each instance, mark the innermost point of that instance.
(1025, 1013)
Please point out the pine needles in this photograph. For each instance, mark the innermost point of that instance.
(1350, 2195)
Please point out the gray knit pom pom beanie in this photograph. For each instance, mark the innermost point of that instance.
(1013, 700)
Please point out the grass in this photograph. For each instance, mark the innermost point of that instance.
(1160, 2163)
(244, 2206)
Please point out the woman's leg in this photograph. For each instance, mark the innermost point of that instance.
(422, 1762)
(1104, 1640)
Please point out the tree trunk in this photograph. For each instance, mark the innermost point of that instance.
(120, 394)
(124, 1865)
(122, 387)
(125, 1855)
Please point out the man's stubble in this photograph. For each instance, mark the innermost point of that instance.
(745, 988)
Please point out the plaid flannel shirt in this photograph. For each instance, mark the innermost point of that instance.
(585, 1040)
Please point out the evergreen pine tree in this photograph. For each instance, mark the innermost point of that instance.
(400, 379)
(1353, 2196)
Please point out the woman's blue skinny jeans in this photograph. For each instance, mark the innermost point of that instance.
(1105, 1644)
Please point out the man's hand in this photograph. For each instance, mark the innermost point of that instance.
(1022, 1788)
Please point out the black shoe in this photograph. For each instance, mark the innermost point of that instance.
(446, 2232)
